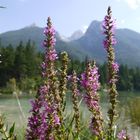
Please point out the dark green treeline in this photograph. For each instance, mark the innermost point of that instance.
(23, 64)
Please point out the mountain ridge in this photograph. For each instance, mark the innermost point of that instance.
(89, 44)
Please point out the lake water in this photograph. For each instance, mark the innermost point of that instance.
(10, 108)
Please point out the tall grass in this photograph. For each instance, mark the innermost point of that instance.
(133, 111)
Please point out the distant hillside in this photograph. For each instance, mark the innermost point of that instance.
(14, 37)
(82, 45)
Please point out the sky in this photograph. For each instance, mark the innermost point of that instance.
(67, 15)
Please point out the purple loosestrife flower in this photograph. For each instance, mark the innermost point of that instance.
(113, 67)
(0, 57)
(52, 55)
(90, 81)
(56, 119)
(52, 98)
(122, 135)
(109, 30)
(43, 65)
(34, 123)
(51, 105)
(50, 52)
(44, 119)
(36, 120)
(48, 69)
(50, 34)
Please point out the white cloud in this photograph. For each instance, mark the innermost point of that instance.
(133, 4)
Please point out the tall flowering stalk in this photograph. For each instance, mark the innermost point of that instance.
(62, 92)
(113, 68)
(75, 104)
(44, 122)
(89, 80)
(51, 80)
(63, 78)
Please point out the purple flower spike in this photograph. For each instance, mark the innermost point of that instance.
(52, 55)
(115, 66)
(90, 81)
(40, 125)
(56, 119)
(109, 26)
(122, 135)
(50, 34)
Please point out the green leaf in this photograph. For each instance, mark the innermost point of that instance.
(11, 131)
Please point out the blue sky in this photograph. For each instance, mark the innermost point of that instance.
(67, 15)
